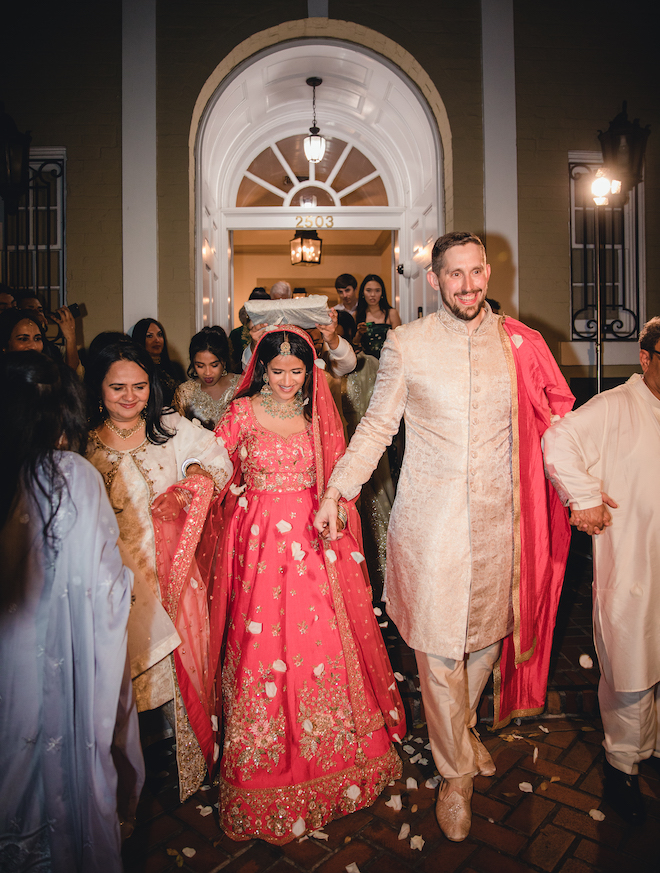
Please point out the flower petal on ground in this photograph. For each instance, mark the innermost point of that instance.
(405, 830)
(526, 787)
(597, 815)
(586, 662)
(411, 784)
(394, 802)
(417, 842)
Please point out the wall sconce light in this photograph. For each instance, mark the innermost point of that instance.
(306, 247)
(314, 144)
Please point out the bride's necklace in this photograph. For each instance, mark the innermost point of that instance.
(124, 433)
(290, 409)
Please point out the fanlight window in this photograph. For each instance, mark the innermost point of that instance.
(282, 176)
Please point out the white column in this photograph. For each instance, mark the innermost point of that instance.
(139, 201)
(500, 154)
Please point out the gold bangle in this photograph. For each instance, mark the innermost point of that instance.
(342, 517)
(182, 497)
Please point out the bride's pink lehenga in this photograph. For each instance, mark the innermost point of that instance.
(310, 704)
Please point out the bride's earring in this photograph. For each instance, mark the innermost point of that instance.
(266, 391)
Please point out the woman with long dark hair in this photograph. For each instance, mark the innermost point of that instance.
(154, 463)
(66, 718)
(210, 386)
(310, 703)
(374, 315)
(150, 334)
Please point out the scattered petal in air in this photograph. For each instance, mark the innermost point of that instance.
(308, 727)
(237, 489)
(395, 715)
(194, 583)
(243, 452)
(319, 670)
(188, 852)
(398, 677)
(299, 827)
(242, 501)
(394, 802)
(255, 627)
(331, 555)
(395, 737)
(405, 830)
(320, 363)
(391, 687)
(432, 783)
(378, 610)
(254, 530)
(279, 665)
(353, 792)
(597, 815)
(320, 835)
(586, 662)
(410, 750)
(526, 787)
(517, 340)
(350, 868)
(411, 784)
(214, 722)
(271, 689)
(205, 788)
(297, 552)
(417, 842)
(358, 557)
(216, 751)
(383, 623)
(283, 526)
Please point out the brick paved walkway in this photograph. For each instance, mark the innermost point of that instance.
(547, 828)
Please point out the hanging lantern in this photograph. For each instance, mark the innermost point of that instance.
(306, 247)
(314, 144)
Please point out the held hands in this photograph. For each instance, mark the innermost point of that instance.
(326, 518)
(594, 521)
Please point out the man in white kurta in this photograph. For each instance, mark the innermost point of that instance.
(451, 545)
(607, 454)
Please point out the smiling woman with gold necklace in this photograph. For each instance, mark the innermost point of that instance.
(146, 457)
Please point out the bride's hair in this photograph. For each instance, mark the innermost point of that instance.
(268, 349)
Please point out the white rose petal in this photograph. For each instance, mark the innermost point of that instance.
(237, 489)
(395, 715)
(255, 627)
(279, 665)
(216, 751)
(331, 555)
(243, 452)
(353, 792)
(586, 662)
(383, 623)
(428, 746)
(271, 689)
(391, 687)
(357, 557)
(194, 583)
(319, 670)
(398, 677)
(526, 787)
(350, 868)
(517, 340)
(242, 501)
(283, 526)
(378, 610)
(417, 842)
(416, 758)
(188, 852)
(308, 727)
(320, 363)
(423, 761)
(299, 827)
(535, 755)
(205, 788)
(432, 783)
(418, 740)
(205, 810)
(254, 530)
(320, 835)
(405, 830)
(409, 750)
(411, 784)
(214, 722)
(394, 802)
(395, 737)
(597, 815)
(297, 552)
(544, 729)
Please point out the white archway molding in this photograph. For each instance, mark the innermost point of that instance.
(367, 100)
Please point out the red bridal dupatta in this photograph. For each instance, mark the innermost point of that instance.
(364, 649)
(541, 529)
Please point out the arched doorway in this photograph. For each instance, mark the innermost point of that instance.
(382, 174)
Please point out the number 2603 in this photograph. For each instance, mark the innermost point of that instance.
(315, 220)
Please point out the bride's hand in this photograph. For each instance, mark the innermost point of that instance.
(166, 507)
(326, 518)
